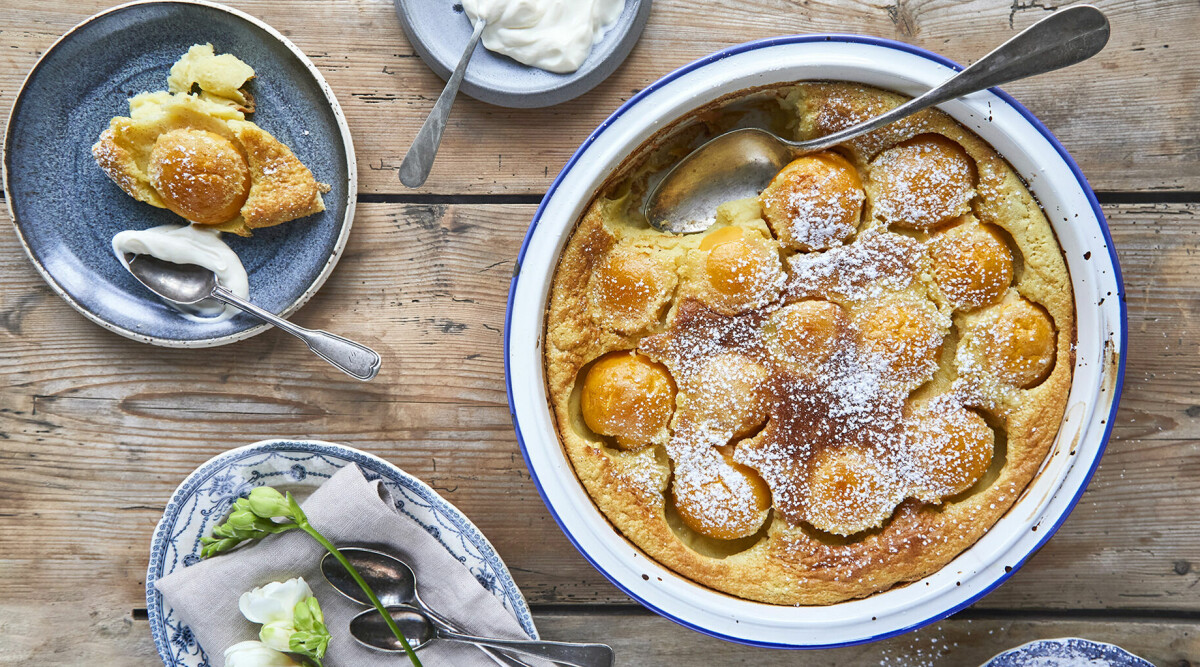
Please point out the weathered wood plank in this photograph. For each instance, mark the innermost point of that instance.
(96, 430)
(1128, 115)
(112, 637)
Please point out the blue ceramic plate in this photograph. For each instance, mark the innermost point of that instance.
(1067, 652)
(66, 210)
(300, 467)
(439, 31)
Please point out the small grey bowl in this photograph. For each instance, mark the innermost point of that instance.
(440, 29)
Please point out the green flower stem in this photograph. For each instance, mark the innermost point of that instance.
(304, 525)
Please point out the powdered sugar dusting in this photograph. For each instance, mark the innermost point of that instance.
(817, 214)
(921, 185)
(876, 263)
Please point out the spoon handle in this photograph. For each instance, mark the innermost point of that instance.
(448, 625)
(578, 655)
(419, 160)
(1066, 37)
(358, 361)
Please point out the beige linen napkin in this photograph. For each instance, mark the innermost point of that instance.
(348, 510)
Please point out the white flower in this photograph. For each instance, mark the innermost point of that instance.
(274, 603)
(255, 654)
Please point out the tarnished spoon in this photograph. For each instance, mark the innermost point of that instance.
(189, 284)
(370, 630)
(419, 159)
(739, 164)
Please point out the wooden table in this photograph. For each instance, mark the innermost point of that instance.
(96, 430)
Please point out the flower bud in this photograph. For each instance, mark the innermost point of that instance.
(242, 521)
(308, 615)
(268, 503)
(277, 635)
(213, 546)
(312, 644)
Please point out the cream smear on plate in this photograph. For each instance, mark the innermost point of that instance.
(188, 244)
(554, 35)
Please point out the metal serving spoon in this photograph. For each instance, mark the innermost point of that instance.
(419, 159)
(189, 284)
(739, 164)
(394, 583)
(371, 631)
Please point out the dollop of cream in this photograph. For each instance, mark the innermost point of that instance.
(189, 244)
(554, 35)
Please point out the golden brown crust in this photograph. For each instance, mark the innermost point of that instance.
(789, 561)
(283, 189)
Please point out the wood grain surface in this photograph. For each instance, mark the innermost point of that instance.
(642, 639)
(1128, 116)
(96, 430)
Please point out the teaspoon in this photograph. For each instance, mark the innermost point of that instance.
(740, 163)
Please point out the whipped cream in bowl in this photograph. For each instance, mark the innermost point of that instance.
(189, 244)
(554, 35)
(535, 53)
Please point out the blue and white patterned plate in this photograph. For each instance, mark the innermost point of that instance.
(1067, 652)
(300, 466)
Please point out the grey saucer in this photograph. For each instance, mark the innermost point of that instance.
(66, 210)
(440, 29)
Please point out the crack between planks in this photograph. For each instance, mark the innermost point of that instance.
(449, 199)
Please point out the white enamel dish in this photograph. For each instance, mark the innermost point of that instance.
(1101, 330)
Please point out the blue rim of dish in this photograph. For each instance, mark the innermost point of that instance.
(368, 462)
(806, 39)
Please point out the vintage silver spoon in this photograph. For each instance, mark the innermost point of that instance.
(394, 583)
(739, 164)
(419, 159)
(370, 630)
(189, 284)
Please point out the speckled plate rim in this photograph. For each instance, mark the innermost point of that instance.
(351, 189)
(1047, 501)
(204, 471)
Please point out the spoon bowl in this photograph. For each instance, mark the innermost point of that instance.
(741, 163)
(369, 629)
(734, 165)
(392, 579)
(184, 284)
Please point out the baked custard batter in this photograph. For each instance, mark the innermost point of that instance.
(842, 384)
